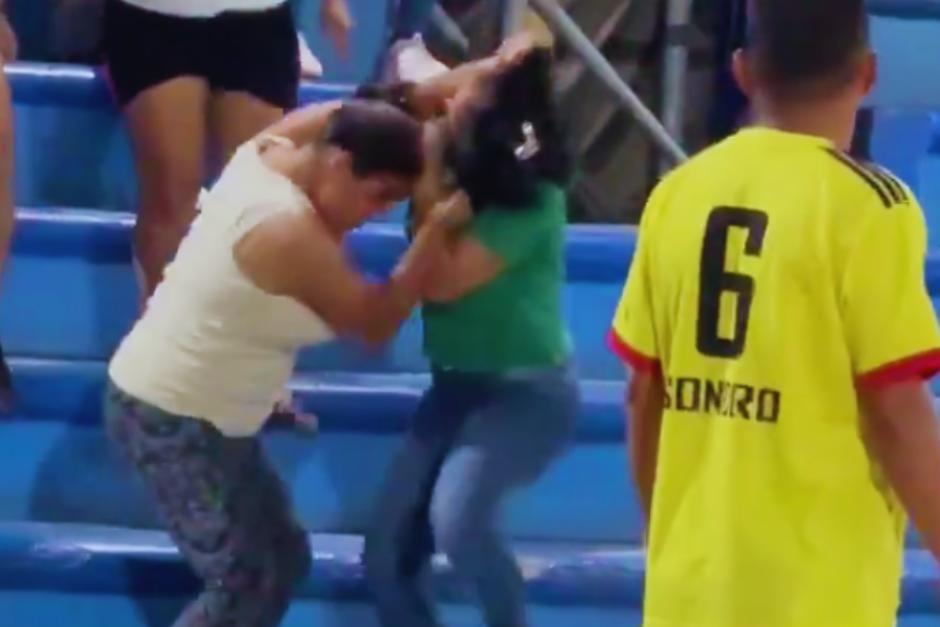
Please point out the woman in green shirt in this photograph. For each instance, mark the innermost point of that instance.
(503, 400)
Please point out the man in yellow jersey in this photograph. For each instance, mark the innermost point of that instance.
(780, 334)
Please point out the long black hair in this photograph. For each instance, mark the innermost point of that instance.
(513, 140)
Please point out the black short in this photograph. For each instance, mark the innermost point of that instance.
(254, 52)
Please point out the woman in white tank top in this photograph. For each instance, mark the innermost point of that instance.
(260, 274)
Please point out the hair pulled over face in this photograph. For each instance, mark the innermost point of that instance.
(506, 135)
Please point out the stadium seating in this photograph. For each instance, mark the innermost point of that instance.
(79, 542)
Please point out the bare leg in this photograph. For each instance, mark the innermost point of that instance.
(168, 126)
(236, 117)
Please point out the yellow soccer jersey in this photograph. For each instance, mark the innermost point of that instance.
(773, 275)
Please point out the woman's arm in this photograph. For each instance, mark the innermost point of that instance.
(295, 256)
(304, 126)
(428, 99)
(432, 186)
(499, 239)
(465, 265)
(645, 411)
(445, 86)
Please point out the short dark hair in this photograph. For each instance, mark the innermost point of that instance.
(519, 102)
(380, 139)
(395, 94)
(799, 45)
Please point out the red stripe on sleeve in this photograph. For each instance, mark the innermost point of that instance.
(922, 367)
(637, 360)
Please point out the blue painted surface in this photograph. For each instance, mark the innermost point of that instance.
(333, 482)
(910, 9)
(69, 296)
(70, 391)
(906, 48)
(51, 609)
(71, 146)
(83, 258)
(334, 478)
(101, 561)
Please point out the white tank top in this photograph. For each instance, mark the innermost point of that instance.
(211, 344)
(202, 8)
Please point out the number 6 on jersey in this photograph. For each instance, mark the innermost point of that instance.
(714, 280)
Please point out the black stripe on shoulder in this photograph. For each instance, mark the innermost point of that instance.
(876, 184)
(898, 193)
(894, 190)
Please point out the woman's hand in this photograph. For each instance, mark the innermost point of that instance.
(426, 101)
(515, 48)
(337, 22)
(287, 409)
(453, 212)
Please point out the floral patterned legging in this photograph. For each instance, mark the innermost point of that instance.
(226, 509)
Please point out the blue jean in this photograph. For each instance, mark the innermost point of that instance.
(474, 440)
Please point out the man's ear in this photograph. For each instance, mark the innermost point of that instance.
(742, 70)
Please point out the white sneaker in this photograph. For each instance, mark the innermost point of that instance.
(310, 66)
(409, 60)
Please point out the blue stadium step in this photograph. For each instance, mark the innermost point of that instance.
(53, 609)
(907, 9)
(101, 559)
(71, 147)
(71, 391)
(80, 86)
(103, 566)
(334, 478)
(904, 34)
(70, 292)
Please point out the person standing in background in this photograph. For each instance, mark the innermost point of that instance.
(780, 337)
(195, 79)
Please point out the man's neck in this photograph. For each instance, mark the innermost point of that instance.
(833, 119)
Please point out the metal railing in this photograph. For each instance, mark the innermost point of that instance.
(566, 28)
(675, 65)
(513, 14)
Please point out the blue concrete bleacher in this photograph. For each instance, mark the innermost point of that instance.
(71, 148)
(82, 258)
(79, 541)
(85, 255)
(905, 9)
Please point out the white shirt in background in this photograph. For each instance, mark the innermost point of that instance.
(203, 8)
(211, 344)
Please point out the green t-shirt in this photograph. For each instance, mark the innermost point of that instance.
(516, 320)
